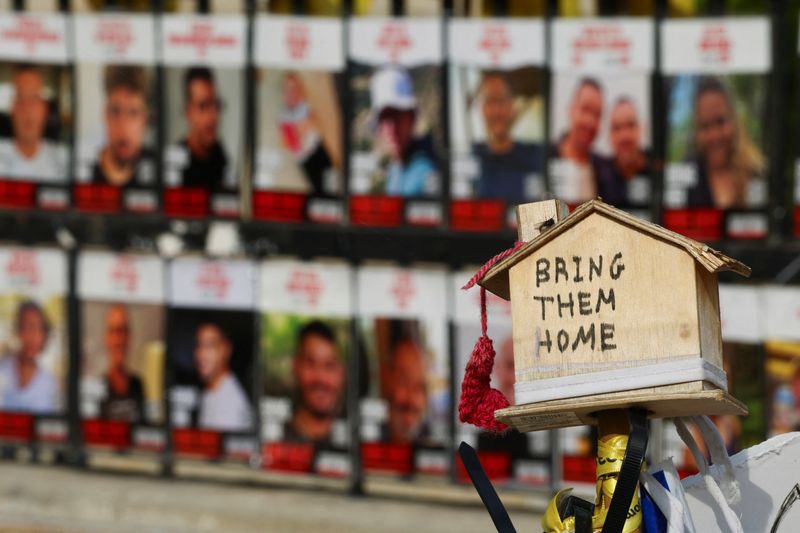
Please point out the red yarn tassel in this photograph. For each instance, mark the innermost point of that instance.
(478, 400)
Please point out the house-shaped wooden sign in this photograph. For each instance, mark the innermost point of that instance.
(610, 311)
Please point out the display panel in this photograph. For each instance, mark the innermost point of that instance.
(211, 358)
(33, 355)
(716, 174)
(405, 416)
(115, 163)
(396, 131)
(497, 111)
(35, 111)
(510, 458)
(122, 350)
(204, 95)
(306, 312)
(600, 128)
(298, 157)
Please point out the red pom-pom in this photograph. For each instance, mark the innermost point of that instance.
(478, 400)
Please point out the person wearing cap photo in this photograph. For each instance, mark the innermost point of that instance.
(408, 166)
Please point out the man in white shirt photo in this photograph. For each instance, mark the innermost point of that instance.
(28, 155)
(223, 404)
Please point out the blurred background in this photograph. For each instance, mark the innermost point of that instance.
(233, 236)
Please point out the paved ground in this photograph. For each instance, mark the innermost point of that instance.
(52, 499)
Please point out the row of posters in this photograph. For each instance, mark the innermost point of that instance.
(267, 363)
(157, 109)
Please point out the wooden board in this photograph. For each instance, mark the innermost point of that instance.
(686, 399)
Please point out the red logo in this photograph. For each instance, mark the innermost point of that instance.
(297, 40)
(213, 281)
(202, 37)
(124, 276)
(403, 289)
(608, 40)
(31, 32)
(115, 35)
(394, 39)
(306, 284)
(495, 41)
(23, 268)
(714, 44)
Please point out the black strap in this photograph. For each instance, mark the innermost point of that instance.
(485, 489)
(628, 477)
(582, 511)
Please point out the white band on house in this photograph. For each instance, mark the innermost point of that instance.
(670, 372)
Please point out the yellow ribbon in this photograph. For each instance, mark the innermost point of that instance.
(610, 454)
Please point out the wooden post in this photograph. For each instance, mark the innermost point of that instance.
(536, 217)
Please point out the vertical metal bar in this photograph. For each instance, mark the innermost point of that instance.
(346, 99)
(168, 454)
(398, 8)
(75, 451)
(157, 96)
(453, 385)
(658, 103)
(550, 12)
(444, 112)
(779, 223)
(251, 109)
(354, 390)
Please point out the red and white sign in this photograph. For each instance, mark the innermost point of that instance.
(209, 284)
(218, 40)
(39, 38)
(408, 42)
(467, 304)
(290, 286)
(716, 46)
(36, 272)
(301, 43)
(113, 277)
(496, 43)
(112, 38)
(602, 45)
(402, 292)
(739, 311)
(780, 313)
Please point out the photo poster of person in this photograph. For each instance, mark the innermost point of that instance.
(35, 111)
(497, 111)
(406, 414)
(298, 171)
(204, 59)
(211, 363)
(601, 126)
(33, 352)
(743, 361)
(511, 458)
(122, 303)
(396, 128)
(715, 86)
(781, 319)
(115, 147)
(306, 312)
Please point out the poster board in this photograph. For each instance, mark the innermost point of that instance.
(716, 82)
(600, 138)
(298, 173)
(35, 112)
(204, 61)
(396, 130)
(211, 358)
(115, 156)
(512, 458)
(123, 318)
(405, 413)
(497, 110)
(34, 329)
(305, 338)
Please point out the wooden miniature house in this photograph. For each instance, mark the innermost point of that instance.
(610, 311)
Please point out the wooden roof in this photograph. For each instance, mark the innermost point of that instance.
(496, 278)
